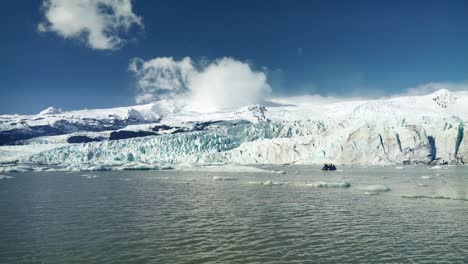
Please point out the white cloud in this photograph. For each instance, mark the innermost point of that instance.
(161, 77)
(99, 22)
(224, 83)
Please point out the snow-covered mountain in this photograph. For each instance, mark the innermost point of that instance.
(430, 129)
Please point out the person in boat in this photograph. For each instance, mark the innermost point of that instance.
(329, 167)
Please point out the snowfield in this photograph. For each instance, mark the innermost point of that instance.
(430, 129)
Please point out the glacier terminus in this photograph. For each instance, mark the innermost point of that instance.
(429, 129)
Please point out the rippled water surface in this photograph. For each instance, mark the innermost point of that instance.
(187, 217)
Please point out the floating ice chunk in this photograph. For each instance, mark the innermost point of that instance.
(427, 197)
(220, 178)
(272, 183)
(422, 184)
(167, 167)
(426, 177)
(399, 168)
(97, 168)
(437, 167)
(4, 177)
(255, 182)
(138, 166)
(89, 176)
(187, 180)
(163, 178)
(371, 193)
(374, 188)
(73, 168)
(322, 184)
(21, 168)
(280, 172)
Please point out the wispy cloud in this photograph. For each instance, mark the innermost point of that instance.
(224, 83)
(99, 23)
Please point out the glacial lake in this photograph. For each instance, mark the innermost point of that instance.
(188, 217)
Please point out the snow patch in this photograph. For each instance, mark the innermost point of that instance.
(51, 111)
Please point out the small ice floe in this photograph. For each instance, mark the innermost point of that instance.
(422, 185)
(279, 172)
(426, 177)
(374, 188)
(89, 176)
(187, 180)
(139, 166)
(399, 168)
(220, 178)
(167, 167)
(255, 182)
(437, 167)
(270, 183)
(322, 184)
(21, 168)
(162, 178)
(371, 193)
(437, 197)
(96, 168)
(296, 172)
(4, 177)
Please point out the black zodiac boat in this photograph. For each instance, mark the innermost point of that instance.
(328, 167)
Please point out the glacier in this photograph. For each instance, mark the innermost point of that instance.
(429, 129)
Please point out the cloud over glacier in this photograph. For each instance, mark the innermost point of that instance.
(223, 83)
(98, 22)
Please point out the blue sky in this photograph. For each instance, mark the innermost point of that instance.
(336, 48)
